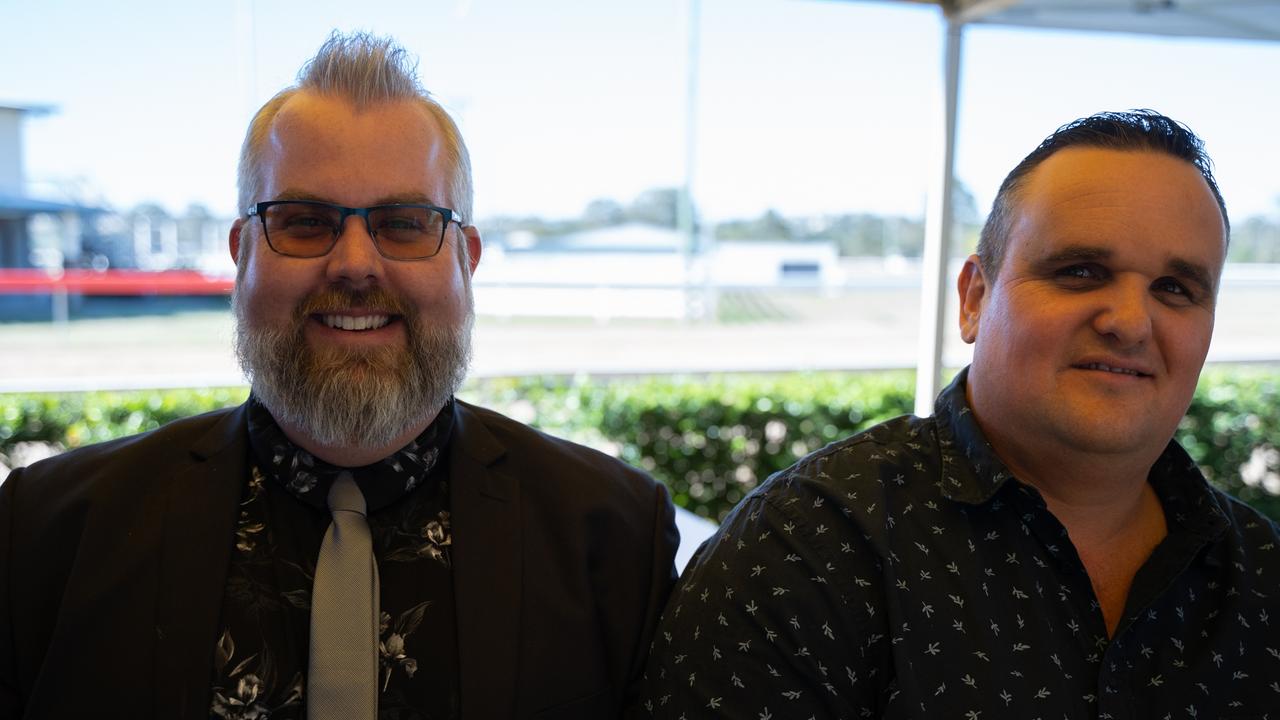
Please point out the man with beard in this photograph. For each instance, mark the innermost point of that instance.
(352, 542)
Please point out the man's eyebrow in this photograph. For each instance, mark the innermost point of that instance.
(290, 194)
(407, 199)
(1076, 253)
(398, 199)
(1194, 272)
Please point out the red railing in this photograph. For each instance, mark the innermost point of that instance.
(112, 282)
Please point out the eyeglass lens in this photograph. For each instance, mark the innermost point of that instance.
(308, 229)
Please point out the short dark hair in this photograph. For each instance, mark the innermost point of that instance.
(1137, 130)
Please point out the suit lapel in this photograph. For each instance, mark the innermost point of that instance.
(487, 564)
(199, 523)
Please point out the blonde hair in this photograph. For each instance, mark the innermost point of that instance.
(366, 70)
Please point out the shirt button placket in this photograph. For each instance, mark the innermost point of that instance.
(1114, 699)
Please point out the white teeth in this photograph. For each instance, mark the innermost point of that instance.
(1108, 368)
(364, 322)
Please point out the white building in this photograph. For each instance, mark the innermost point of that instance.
(637, 271)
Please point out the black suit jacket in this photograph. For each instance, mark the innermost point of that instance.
(113, 560)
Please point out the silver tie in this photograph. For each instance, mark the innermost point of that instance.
(342, 680)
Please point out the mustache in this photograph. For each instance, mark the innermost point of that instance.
(337, 298)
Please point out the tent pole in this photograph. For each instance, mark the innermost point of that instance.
(937, 240)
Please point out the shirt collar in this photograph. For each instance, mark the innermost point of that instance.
(971, 471)
(1188, 500)
(973, 474)
(308, 478)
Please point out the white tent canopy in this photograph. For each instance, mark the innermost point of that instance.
(1225, 19)
(1235, 19)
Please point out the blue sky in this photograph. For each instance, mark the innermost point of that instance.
(805, 106)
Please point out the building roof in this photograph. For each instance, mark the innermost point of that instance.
(23, 204)
(28, 108)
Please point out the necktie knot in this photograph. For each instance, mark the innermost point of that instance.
(345, 495)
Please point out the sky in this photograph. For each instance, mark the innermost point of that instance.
(806, 107)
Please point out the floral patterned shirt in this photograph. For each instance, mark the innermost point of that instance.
(261, 656)
(904, 573)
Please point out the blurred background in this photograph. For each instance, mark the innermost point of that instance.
(669, 191)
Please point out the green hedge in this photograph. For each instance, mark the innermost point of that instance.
(74, 419)
(1235, 414)
(710, 439)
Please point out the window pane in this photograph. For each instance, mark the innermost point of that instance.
(807, 152)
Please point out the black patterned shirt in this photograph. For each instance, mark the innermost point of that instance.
(261, 657)
(904, 573)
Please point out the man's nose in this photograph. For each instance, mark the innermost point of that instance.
(354, 258)
(1125, 313)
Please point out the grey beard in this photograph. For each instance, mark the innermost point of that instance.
(354, 397)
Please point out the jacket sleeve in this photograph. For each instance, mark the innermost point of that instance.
(662, 578)
(10, 700)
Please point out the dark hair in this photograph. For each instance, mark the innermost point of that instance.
(1138, 130)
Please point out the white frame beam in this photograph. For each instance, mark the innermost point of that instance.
(939, 228)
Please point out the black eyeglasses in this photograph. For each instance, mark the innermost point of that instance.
(309, 228)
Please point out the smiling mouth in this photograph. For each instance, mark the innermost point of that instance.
(356, 323)
(1112, 369)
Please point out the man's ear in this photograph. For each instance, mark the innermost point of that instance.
(233, 239)
(474, 247)
(973, 294)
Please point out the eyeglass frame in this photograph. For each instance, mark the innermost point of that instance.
(259, 209)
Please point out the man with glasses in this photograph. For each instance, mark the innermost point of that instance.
(352, 542)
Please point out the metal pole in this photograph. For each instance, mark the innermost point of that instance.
(937, 238)
(246, 57)
(685, 220)
(61, 306)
